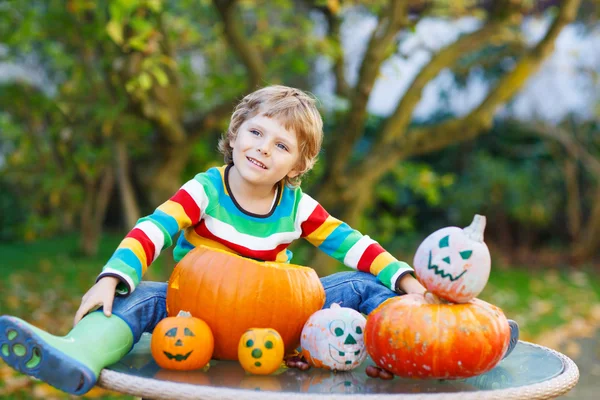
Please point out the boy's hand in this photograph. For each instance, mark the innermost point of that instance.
(101, 294)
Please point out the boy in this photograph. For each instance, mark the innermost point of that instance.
(252, 206)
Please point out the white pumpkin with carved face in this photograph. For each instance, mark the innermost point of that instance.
(454, 263)
(333, 338)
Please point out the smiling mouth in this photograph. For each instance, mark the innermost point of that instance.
(177, 357)
(344, 357)
(257, 163)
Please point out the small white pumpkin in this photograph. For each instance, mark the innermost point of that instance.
(333, 338)
(454, 263)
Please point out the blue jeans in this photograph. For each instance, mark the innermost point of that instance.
(146, 306)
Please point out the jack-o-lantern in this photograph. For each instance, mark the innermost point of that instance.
(260, 351)
(454, 263)
(233, 294)
(182, 343)
(333, 338)
(417, 336)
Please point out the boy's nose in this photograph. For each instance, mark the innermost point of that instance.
(264, 149)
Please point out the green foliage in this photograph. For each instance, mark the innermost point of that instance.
(98, 59)
(120, 71)
(540, 298)
(398, 198)
(525, 191)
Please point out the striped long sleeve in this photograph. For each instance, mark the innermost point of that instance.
(207, 213)
(338, 240)
(154, 233)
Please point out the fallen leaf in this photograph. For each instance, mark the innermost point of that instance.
(45, 391)
(15, 383)
(572, 349)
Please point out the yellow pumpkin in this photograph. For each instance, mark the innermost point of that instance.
(182, 343)
(260, 351)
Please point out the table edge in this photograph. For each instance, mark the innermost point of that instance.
(155, 389)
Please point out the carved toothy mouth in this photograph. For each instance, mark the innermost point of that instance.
(177, 357)
(344, 357)
(439, 271)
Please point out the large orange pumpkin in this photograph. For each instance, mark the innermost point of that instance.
(412, 336)
(233, 294)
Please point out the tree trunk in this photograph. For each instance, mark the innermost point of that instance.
(131, 210)
(573, 207)
(588, 244)
(93, 212)
(168, 177)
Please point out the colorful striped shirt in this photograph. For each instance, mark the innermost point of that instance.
(207, 213)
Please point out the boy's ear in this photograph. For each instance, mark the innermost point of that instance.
(293, 173)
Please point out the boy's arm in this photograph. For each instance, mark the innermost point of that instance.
(408, 284)
(338, 240)
(155, 232)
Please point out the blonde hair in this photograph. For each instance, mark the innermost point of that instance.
(293, 108)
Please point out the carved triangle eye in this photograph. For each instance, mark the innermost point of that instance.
(466, 254)
(445, 241)
(171, 332)
(188, 332)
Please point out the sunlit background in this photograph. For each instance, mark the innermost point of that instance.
(434, 111)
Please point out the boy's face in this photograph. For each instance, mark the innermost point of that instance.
(264, 151)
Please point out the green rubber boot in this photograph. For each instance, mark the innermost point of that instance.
(71, 363)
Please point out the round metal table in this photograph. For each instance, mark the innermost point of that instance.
(530, 372)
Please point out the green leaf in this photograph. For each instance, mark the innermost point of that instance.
(160, 75)
(145, 81)
(154, 5)
(115, 31)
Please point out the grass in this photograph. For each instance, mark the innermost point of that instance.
(43, 282)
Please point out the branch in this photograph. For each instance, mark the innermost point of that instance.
(396, 125)
(237, 39)
(170, 127)
(575, 149)
(514, 81)
(381, 45)
(424, 140)
(199, 125)
(342, 88)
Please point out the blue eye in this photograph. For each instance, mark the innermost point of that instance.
(254, 132)
(282, 146)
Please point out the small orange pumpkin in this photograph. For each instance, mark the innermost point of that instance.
(260, 351)
(182, 343)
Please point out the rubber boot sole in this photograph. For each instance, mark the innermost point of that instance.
(22, 349)
(514, 337)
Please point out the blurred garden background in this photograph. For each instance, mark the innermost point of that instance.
(434, 111)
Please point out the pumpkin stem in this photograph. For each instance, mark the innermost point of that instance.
(184, 314)
(475, 230)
